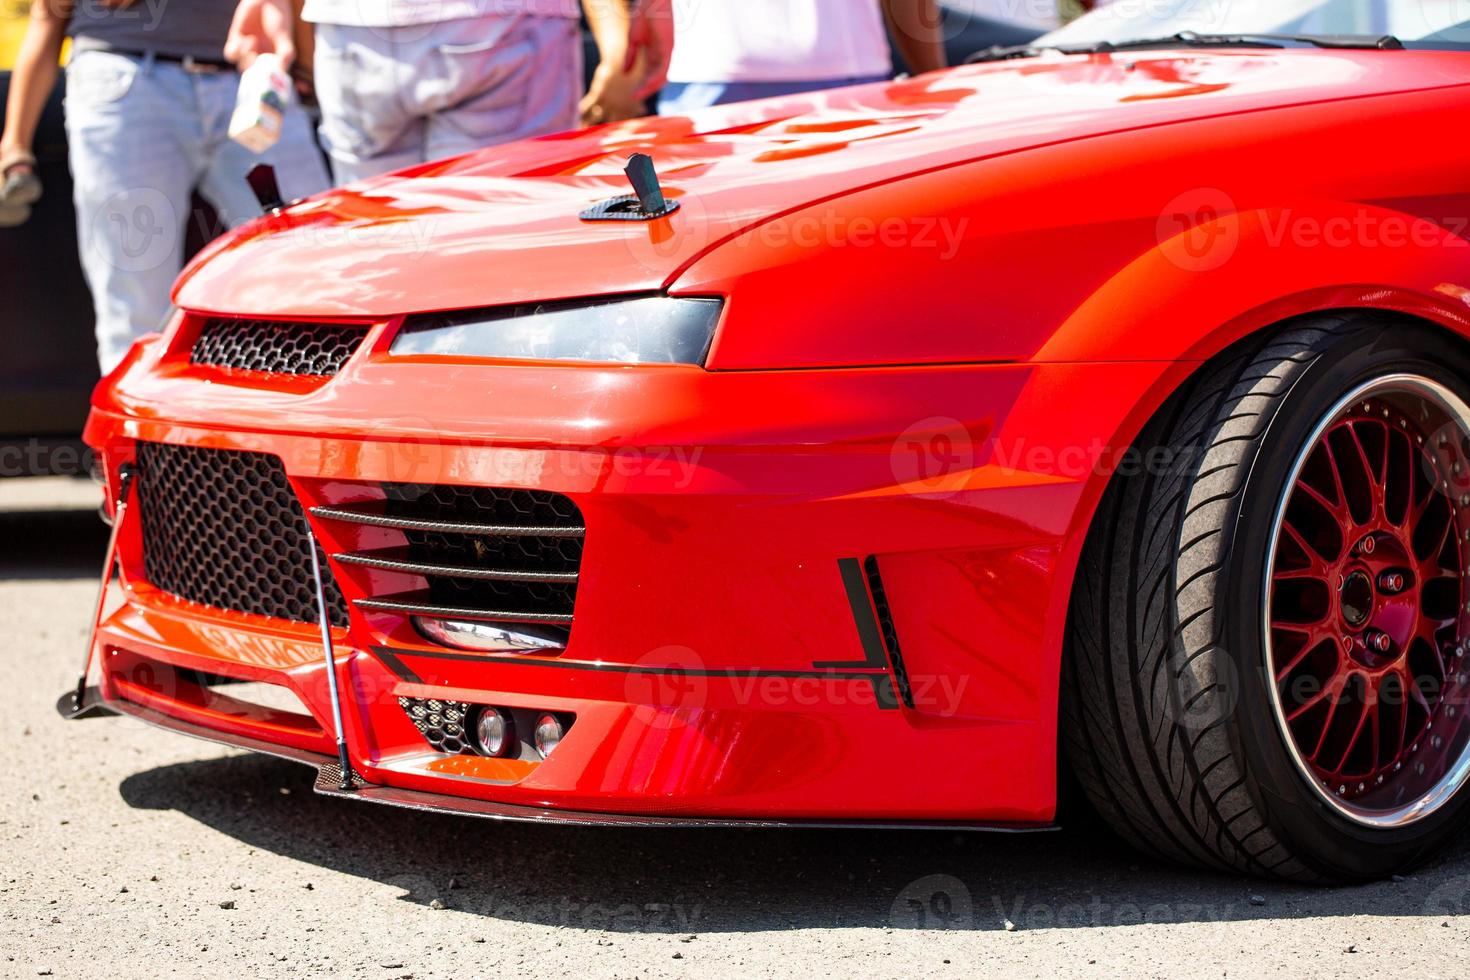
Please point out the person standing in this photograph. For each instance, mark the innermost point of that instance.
(149, 96)
(403, 82)
(733, 50)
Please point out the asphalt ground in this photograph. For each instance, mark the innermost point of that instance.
(132, 852)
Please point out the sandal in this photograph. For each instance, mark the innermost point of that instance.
(19, 190)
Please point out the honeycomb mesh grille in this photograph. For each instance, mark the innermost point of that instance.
(441, 723)
(517, 553)
(271, 347)
(224, 529)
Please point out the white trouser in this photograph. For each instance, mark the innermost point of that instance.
(393, 97)
(143, 135)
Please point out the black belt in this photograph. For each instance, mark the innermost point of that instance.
(191, 63)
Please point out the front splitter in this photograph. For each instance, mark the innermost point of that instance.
(329, 783)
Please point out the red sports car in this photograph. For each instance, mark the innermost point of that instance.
(1101, 404)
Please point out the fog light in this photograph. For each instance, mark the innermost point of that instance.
(465, 634)
(548, 734)
(494, 732)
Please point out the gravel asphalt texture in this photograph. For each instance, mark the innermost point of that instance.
(131, 852)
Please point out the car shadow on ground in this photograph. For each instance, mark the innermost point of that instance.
(51, 544)
(712, 881)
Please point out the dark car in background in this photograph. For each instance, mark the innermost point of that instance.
(49, 364)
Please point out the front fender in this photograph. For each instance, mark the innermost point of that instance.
(1158, 244)
(1220, 280)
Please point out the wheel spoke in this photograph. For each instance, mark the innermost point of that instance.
(1317, 562)
(1316, 637)
(1347, 630)
(1332, 692)
(1335, 509)
(1352, 742)
(1376, 479)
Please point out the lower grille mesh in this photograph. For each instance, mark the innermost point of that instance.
(441, 723)
(223, 528)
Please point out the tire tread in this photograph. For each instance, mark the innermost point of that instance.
(1144, 637)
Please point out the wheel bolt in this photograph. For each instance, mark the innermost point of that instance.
(1367, 546)
(1377, 640)
(1391, 582)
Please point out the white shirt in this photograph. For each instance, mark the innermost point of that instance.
(778, 40)
(1045, 15)
(412, 13)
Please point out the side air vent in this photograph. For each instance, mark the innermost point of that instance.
(273, 347)
(887, 629)
(483, 554)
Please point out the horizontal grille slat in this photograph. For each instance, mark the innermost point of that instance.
(223, 528)
(373, 516)
(316, 350)
(396, 561)
(410, 606)
(484, 553)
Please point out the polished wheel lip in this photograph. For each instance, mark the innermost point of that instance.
(1457, 775)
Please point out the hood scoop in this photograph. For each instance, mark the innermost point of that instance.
(645, 204)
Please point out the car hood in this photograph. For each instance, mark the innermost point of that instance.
(502, 225)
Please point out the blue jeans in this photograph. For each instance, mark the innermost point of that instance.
(678, 98)
(143, 135)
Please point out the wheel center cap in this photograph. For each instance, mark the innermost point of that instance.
(1357, 599)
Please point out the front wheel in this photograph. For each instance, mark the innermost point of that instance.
(1266, 667)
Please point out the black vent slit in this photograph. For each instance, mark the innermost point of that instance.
(517, 553)
(488, 553)
(223, 528)
(887, 629)
(316, 350)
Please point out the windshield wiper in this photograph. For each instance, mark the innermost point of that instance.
(1189, 39)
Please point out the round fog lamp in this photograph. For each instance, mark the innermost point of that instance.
(493, 732)
(548, 734)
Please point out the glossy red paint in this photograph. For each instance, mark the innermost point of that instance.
(952, 303)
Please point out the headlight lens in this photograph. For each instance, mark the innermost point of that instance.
(644, 330)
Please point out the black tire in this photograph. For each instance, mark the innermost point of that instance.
(1166, 700)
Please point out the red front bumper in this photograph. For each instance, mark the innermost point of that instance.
(717, 666)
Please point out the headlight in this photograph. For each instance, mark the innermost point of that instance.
(644, 330)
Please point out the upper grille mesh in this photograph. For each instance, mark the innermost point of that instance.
(307, 349)
(224, 529)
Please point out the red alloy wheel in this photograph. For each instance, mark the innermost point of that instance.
(1366, 603)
